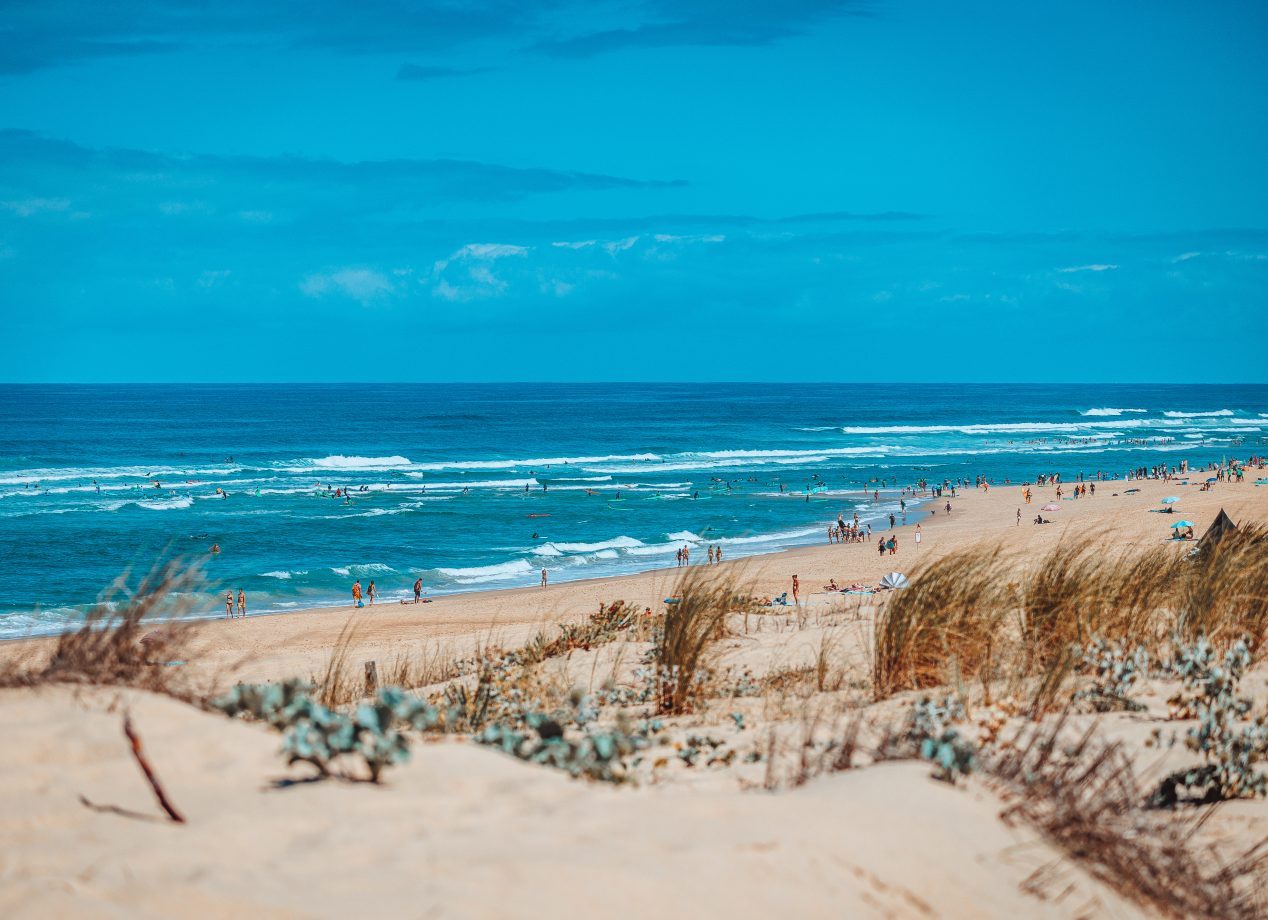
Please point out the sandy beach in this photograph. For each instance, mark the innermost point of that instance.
(299, 643)
(461, 831)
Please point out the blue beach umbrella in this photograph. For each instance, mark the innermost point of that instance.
(1181, 524)
(1170, 500)
(1213, 479)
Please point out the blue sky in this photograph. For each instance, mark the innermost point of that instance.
(635, 190)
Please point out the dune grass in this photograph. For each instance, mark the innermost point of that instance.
(133, 637)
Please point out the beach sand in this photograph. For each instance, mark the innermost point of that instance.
(299, 643)
(462, 831)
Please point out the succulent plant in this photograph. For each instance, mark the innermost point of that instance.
(930, 734)
(1231, 751)
(1115, 674)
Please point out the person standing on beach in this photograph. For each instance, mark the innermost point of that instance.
(418, 590)
(717, 554)
(918, 536)
(796, 590)
(543, 578)
(372, 592)
(1018, 517)
(948, 509)
(356, 593)
(242, 603)
(710, 554)
(229, 605)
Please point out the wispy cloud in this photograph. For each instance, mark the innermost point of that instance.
(40, 172)
(662, 24)
(1094, 267)
(425, 72)
(40, 34)
(361, 284)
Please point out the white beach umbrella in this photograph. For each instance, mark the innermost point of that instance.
(895, 580)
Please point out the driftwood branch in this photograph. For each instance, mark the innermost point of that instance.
(150, 776)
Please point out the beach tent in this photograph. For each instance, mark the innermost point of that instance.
(895, 580)
(1051, 507)
(1223, 525)
(1170, 500)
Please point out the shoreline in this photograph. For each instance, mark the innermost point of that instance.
(300, 642)
(916, 512)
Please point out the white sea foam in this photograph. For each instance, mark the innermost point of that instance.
(166, 503)
(511, 569)
(615, 543)
(1110, 412)
(1217, 414)
(283, 575)
(685, 536)
(340, 462)
(532, 463)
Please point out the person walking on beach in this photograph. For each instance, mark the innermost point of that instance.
(880, 548)
(242, 603)
(229, 605)
(948, 509)
(372, 593)
(356, 593)
(710, 554)
(796, 590)
(418, 590)
(717, 554)
(918, 536)
(1018, 517)
(543, 578)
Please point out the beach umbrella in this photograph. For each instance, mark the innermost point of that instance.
(1181, 524)
(1213, 479)
(895, 580)
(1051, 507)
(1170, 500)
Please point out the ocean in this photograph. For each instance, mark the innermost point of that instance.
(481, 486)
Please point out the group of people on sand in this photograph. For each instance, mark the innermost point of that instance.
(242, 604)
(682, 555)
(851, 531)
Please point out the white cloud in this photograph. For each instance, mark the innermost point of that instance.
(29, 207)
(211, 278)
(616, 246)
(1097, 267)
(481, 252)
(361, 284)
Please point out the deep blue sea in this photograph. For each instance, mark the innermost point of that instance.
(480, 486)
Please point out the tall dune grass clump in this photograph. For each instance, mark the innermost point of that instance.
(681, 648)
(950, 620)
(1225, 589)
(132, 637)
(1081, 591)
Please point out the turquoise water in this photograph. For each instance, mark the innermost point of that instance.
(480, 486)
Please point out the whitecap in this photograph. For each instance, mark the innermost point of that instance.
(1110, 412)
(1216, 414)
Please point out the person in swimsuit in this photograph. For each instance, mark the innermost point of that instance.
(356, 593)
(543, 578)
(372, 593)
(229, 605)
(242, 603)
(796, 589)
(418, 590)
